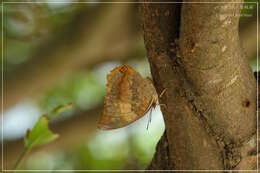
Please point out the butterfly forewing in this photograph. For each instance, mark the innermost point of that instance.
(128, 98)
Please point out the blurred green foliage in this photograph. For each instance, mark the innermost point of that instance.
(40, 134)
(28, 26)
(126, 149)
(249, 7)
(82, 89)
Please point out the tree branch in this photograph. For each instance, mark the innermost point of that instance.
(210, 98)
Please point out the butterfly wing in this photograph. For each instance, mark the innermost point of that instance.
(128, 98)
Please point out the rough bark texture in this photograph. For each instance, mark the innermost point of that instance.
(194, 53)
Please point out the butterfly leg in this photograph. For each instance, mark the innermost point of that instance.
(163, 105)
(151, 114)
(162, 93)
(149, 118)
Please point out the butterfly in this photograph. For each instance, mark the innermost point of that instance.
(129, 97)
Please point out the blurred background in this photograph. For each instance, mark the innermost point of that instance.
(59, 53)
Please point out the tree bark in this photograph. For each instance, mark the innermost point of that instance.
(194, 53)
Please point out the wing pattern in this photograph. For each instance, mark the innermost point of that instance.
(127, 99)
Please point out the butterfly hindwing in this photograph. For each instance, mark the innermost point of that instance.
(128, 98)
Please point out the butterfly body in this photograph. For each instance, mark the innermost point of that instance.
(129, 97)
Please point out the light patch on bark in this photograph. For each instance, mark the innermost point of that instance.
(215, 81)
(224, 48)
(222, 17)
(233, 80)
(252, 143)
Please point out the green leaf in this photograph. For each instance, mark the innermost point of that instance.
(39, 135)
(59, 109)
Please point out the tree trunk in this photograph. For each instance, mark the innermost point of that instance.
(194, 53)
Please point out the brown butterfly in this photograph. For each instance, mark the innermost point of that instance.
(129, 97)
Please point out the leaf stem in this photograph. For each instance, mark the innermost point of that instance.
(20, 159)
